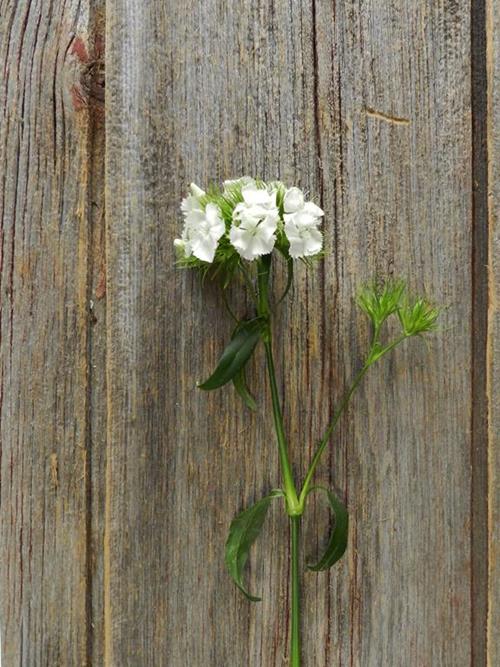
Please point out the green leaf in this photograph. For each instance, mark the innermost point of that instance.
(338, 539)
(240, 384)
(243, 532)
(236, 354)
(289, 281)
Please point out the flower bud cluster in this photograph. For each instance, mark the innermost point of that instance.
(417, 315)
(248, 218)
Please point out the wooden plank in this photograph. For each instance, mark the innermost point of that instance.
(368, 107)
(182, 463)
(493, 386)
(403, 201)
(49, 248)
(479, 296)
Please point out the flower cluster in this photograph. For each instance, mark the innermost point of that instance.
(246, 219)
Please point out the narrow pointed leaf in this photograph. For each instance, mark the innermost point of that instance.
(338, 539)
(236, 354)
(243, 532)
(289, 280)
(240, 384)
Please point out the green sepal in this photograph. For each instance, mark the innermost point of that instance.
(243, 531)
(239, 350)
(240, 384)
(337, 542)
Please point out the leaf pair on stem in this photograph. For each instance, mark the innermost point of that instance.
(379, 301)
(246, 527)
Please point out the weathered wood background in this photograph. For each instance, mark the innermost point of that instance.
(119, 478)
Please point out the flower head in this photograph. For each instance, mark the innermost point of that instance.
(301, 224)
(245, 219)
(255, 220)
(203, 227)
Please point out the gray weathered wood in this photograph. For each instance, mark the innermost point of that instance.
(493, 351)
(50, 243)
(403, 208)
(119, 478)
(368, 107)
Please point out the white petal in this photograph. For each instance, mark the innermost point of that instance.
(196, 191)
(262, 245)
(294, 200)
(255, 213)
(237, 238)
(214, 219)
(190, 203)
(204, 248)
(251, 243)
(291, 229)
(238, 210)
(304, 242)
(195, 218)
(303, 219)
(296, 249)
(216, 231)
(254, 196)
(268, 226)
(314, 210)
(314, 242)
(246, 220)
(273, 193)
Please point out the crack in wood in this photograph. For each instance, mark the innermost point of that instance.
(388, 118)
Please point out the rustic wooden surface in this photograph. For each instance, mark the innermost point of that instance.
(493, 348)
(119, 478)
(49, 247)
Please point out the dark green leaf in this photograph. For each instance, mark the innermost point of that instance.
(338, 539)
(240, 384)
(236, 354)
(289, 281)
(243, 532)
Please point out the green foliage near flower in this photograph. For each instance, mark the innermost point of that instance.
(240, 229)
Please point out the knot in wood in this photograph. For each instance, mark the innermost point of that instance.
(92, 81)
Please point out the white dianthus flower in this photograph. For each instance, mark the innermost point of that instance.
(203, 227)
(255, 220)
(192, 201)
(293, 200)
(301, 224)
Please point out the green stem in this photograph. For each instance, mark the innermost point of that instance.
(295, 595)
(324, 441)
(292, 501)
(264, 311)
(286, 469)
(376, 352)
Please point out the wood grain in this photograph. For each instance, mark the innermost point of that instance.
(49, 247)
(119, 478)
(367, 107)
(493, 350)
(404, 209)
